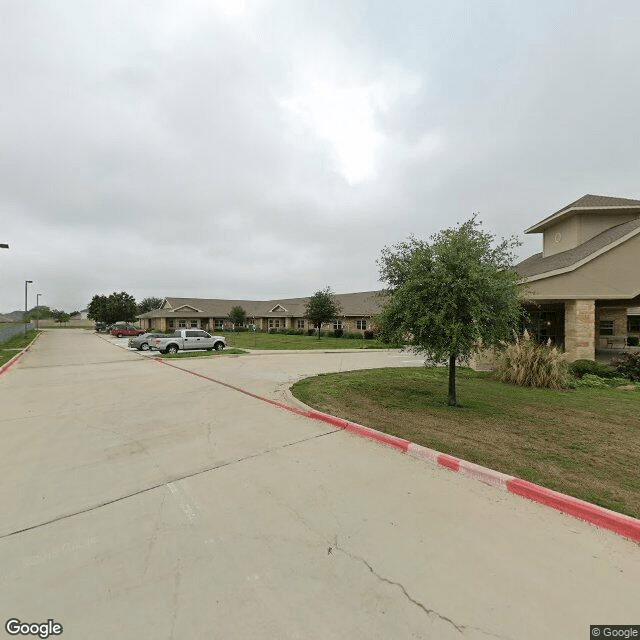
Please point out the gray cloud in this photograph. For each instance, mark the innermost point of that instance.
(263, 149)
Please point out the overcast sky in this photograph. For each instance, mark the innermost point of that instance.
(267, 148)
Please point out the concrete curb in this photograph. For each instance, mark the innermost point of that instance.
(7, 365)
(625, 526)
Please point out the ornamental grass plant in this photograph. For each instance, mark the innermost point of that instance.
(527, 363)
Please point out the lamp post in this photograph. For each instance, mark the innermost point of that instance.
(26, 284)
(37, 310)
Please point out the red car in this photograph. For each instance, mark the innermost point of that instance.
(120, 330)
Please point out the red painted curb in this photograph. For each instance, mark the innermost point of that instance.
(618, 523)
(7, 365)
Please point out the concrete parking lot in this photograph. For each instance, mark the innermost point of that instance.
(140, 501)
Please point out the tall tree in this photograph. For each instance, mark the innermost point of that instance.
(113, 308)
(450, 296)
(149, 304)
(322, 307)
(237, 315)
(60, 316)
(97, 308)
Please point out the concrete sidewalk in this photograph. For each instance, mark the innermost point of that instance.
(141, 501)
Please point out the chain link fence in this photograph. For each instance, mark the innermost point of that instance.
(6, 333)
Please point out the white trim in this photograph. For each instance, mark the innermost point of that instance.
(187, 306)
(278, 307)
(575, 265)
(536, 228)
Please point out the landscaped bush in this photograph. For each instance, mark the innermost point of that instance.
(529, 364)
(580, 368)
(594, 381)
(353, 335)
(311, 332)
(338, 333)
(633, 341)
(628, 365)
(368, 335)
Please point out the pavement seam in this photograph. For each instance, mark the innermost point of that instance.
(622, 525)
(164, 484)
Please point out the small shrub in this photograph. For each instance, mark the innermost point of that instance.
(633, 341)
(529, 364)
(628, 365)
(580, 368)
(368, 335)
(338, 333)
(311, 332)
(593, 381)
(353, 335)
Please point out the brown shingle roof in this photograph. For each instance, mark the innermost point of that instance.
(537, 264)
(365, 303)
(587, 202)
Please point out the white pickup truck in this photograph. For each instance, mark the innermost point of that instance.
(184, 339)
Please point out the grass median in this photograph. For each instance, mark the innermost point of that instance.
(14, 345)
(201, 354)
(583, 442)
(281, 341)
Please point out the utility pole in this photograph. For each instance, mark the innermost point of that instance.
(26, 283)
(38, 310)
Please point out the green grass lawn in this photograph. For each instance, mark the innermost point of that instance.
(259, 340)
(201, 354)
(12, 347)
(583, 442)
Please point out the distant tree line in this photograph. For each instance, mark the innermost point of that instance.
(119, 307)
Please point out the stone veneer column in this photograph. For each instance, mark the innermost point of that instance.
(580, 329)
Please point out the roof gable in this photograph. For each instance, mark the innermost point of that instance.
(278, 309)
(588, 202)
(186, 307)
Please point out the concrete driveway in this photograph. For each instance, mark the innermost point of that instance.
(140, 501)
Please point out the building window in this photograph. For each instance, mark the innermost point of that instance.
(194, 324)
(170, 324)
(606, 327)
(633, 324)
(337, 324)
(219, 324)
(300, 324)
(361, 324)
(182, 324)
(274, 323)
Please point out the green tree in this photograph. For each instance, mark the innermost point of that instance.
(149, 304)
(450, 296)
(321, 307)
(113, 308)
(97, 309)
(40, 313)
(237, 315)
(60, 316)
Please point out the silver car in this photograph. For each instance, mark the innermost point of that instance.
(141, 342)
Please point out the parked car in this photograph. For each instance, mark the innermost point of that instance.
(184, 339)
(120, 330)
(143, 341)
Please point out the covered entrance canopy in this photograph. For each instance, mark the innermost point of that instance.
(589, 269)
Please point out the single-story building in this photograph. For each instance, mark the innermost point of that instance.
(356, 310)
(583, 288)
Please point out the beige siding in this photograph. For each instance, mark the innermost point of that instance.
(613, 275)
(561, 236)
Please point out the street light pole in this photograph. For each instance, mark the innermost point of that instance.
(26, 283)
(37, 310)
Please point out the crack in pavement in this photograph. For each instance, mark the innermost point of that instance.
(430, 612)
(167, 481)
